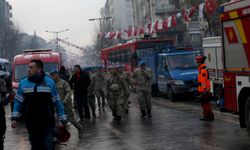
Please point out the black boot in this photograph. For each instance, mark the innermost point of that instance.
(118, 119)
(143, 113)
(149, 113)
(114, 115)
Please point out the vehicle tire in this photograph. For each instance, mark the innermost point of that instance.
(247, 115)
(170, 94)
(154, 92)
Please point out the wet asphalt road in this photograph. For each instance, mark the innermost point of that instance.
(170, 128)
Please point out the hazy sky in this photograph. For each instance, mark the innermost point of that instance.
(56, 15)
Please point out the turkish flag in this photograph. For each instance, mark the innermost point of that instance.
(165, 24)
(184, 15)
(135, 31)
(112, 35)
(191, 11)
(141, 31)
(118, 35)
(174, 21)
(149, 28)
(210, 6)
(129, 32)
(156, 26)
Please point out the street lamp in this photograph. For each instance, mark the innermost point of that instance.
(56, 36)
(100, 21)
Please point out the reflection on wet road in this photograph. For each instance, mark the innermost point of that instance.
(168, 129)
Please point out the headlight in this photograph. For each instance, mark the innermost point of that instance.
(178, 82)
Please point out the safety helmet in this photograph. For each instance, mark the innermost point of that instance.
(62, 134)
(200, 58)
(115, 87)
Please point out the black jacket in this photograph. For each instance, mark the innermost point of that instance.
(80, 87)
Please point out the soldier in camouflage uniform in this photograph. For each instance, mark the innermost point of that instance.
(126, 77)
(91, 94)
(142, 78)
(115, 88)
(64, 92)
(99, 82)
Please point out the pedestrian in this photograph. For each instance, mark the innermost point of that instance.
(80, 82)
(64, 92)
(142, 79)
(99, 81)
(63, 74)
(3, 88)
(126, 77)
(91, 94)
(115, 86)
(204, 89)
(37, 96)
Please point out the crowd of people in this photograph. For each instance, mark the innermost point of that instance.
(42, 95)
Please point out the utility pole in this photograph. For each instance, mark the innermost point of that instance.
(56, 37)
(100, 22)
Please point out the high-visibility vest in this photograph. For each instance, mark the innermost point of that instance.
(203, 79)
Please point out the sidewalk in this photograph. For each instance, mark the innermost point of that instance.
(195, 107)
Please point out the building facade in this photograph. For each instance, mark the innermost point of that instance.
(121, 12)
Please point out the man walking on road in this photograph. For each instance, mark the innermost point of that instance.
(142, 78)
(204, 89)
(37, 98)
(115, 88)
(99, 80)
(64, 92)
(126, 77)
(80, 82)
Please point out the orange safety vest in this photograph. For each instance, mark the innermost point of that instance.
(203, 79)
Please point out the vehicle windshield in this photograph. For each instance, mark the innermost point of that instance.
(182, 61)
(3, 67)
(21, 71)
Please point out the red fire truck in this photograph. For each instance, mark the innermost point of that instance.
(235, 21)
(52, 61)
(127, 54)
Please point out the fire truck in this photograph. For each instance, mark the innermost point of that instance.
(235, 27)
(51, 60)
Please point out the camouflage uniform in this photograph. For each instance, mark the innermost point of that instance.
(114, 96)
(143, 84)
(126, 77)
(91, 95)
(64, 92)
(99, 81)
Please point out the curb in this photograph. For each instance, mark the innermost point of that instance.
(188, 107)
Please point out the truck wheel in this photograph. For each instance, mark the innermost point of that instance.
(154, 92)
(247, 115)
(171, 95)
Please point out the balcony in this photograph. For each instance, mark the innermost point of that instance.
(162, 9)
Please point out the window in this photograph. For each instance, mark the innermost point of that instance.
(21, 71)
(195, 36)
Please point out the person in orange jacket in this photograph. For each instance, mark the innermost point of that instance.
(204, 89)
